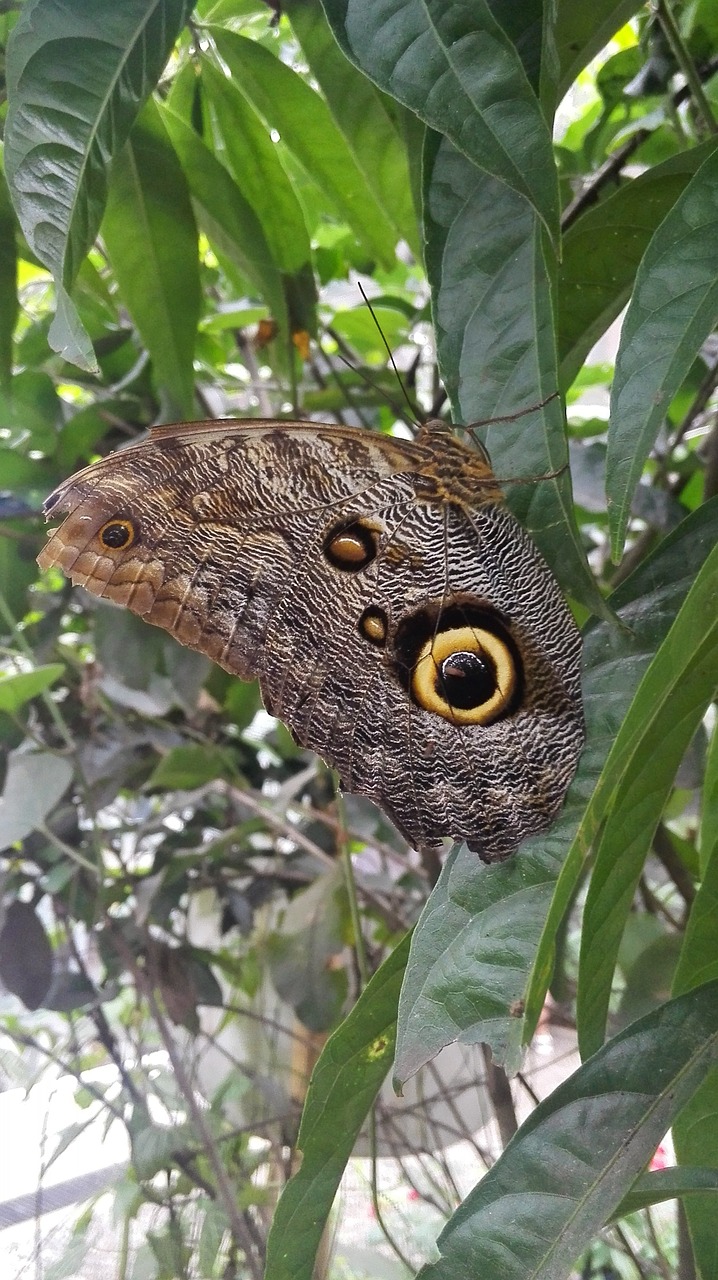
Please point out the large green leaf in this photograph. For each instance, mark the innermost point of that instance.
(669, 704)
(228, 220)
(245, 146)
(77, 77)
(19, 687)
(302, 119)
(458, 70)
(573, 1160)
(493, 317)
(364, 116)
(344, 1084)
(603, 249)
(485, 935)
(673, 308)
(151, 238)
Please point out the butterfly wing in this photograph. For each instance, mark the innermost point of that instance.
(326, 561)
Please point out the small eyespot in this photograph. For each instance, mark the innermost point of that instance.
(373, 626)
(465, 674)
(116, 535)
(351, 547)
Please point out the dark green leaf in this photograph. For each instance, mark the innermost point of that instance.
(665, 1184)
(583, 30)
(658, 587)
(8, 283)
(668, 706)
(62, 128)
(344, 1084)
(151, 239)
(457, 69)
(25, 954)
(602, 251)
(573, 1160)
(673, 308)
(493, 317)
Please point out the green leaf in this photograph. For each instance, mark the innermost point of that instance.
(668, 706)
(184, 768)
(344, 1084)
(708, 837)
(458, 70)
(151, 239)
(570, 1164)
(364, 117)
(63, 128)
(695, 1138)
(8, 283)
(301, 117)
(602, 251)
(657, 589)
(695, 1132)
(35, 782)
(583, 30)
(485, 935)
(251, 156)
(313, 931)
(673, 308)
(16, 690)
(228, 220)
(493, 317)
(666, 1184)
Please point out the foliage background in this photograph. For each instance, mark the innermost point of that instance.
(182, 229)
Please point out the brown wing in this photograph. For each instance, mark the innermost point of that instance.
(321, 559)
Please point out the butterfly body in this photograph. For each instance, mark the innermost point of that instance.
(398, 618)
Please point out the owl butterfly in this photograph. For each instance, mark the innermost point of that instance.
(399, 620)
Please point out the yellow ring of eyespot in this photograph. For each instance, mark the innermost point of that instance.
(464, 640)
(129, 528)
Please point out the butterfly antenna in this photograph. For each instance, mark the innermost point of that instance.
(392, 362)
(365, 377)
(511, 417)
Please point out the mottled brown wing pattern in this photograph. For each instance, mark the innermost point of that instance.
(399, 620)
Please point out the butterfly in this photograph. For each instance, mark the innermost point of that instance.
(398, 618)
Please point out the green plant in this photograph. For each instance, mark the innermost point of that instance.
(177, 176)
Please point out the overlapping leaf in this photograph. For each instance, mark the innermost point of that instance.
(669, 705)
(459, 71)
(570, 1164)
(77, 77)
(673, 308)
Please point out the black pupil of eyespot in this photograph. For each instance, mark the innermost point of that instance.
(466, 680)
(115, 535)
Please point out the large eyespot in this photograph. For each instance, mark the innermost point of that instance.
(117, 534)
(466, 674)
(352, 546)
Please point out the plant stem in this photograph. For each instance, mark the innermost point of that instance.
(685, 62)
